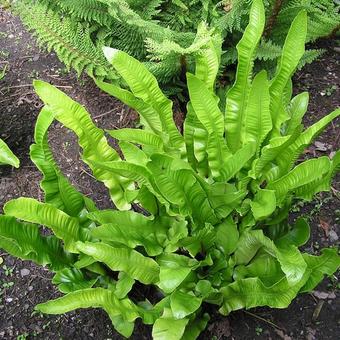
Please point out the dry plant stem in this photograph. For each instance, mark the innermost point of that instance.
(264, 320)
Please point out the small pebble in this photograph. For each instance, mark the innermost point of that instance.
(9, 299)
(24, 272)
(333, 236)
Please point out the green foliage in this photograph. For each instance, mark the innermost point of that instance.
(215, 200)
(7, 156)
(166, 35)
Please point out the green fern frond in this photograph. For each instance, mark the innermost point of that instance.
(70, 39)
(87, 10)
(310, 56)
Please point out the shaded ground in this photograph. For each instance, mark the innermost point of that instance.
(23, 285)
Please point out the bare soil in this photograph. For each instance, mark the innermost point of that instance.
(23, 285)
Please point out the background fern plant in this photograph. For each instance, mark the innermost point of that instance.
(210, 206)
(164, 33)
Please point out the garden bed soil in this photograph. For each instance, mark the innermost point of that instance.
(23, 285)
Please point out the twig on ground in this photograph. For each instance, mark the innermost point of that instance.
(264, 320)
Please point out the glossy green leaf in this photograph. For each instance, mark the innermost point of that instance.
(209, 114)
(138, 136)
(58, 191)
(257, 120)
(134, 229)
(63, 226)
(24, 240)
(195, 327)
(293, 50)
(169, 328)
(136, 265)
(94, 297)
(291, 260)
(302, 174)
(263, 204)
(319, 266)
(227, 236)
(237, 96)
(236, 162)
(7, 156)
(144, 86)
(149, 117)
(298, 235)
(183, 304)
(208, 60)
(91, 139)
(124, 285)
(287, 158)
(173, 270)
(251, 292)
(72, 279)
(263, 266)
(297, 109)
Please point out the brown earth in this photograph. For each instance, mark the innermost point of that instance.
(23, 285)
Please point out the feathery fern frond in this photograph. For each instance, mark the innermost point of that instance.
(71, 40)
(162, 33)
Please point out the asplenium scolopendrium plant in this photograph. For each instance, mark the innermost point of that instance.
(210, 206)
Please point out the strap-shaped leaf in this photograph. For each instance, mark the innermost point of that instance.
(209, 114)
(195, 327)
(93, 297)
(237, 96)
(149, 117)
(58, 191)
(196, 141)
(72, 279)
(297, 235)
(7, 156)
(207, 60)
(293, 50)
(169, 328)
(287, 158)
(236, 162)
(173, 270)
(179, 303)
(138, 136)
(91, 139)
(133, 154)
(144, 86)
(133, 263)
(263, 204)
(227, 236)
(123, 285)
(323, 183)
(290, 258)
(319, 266)
(267, 268)
(180, 187)
(24, 240)
(270, 152)
(302, 174)
(297, 109)
(131, 229)
(251, 292)
(257, 120)
(63, 226)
